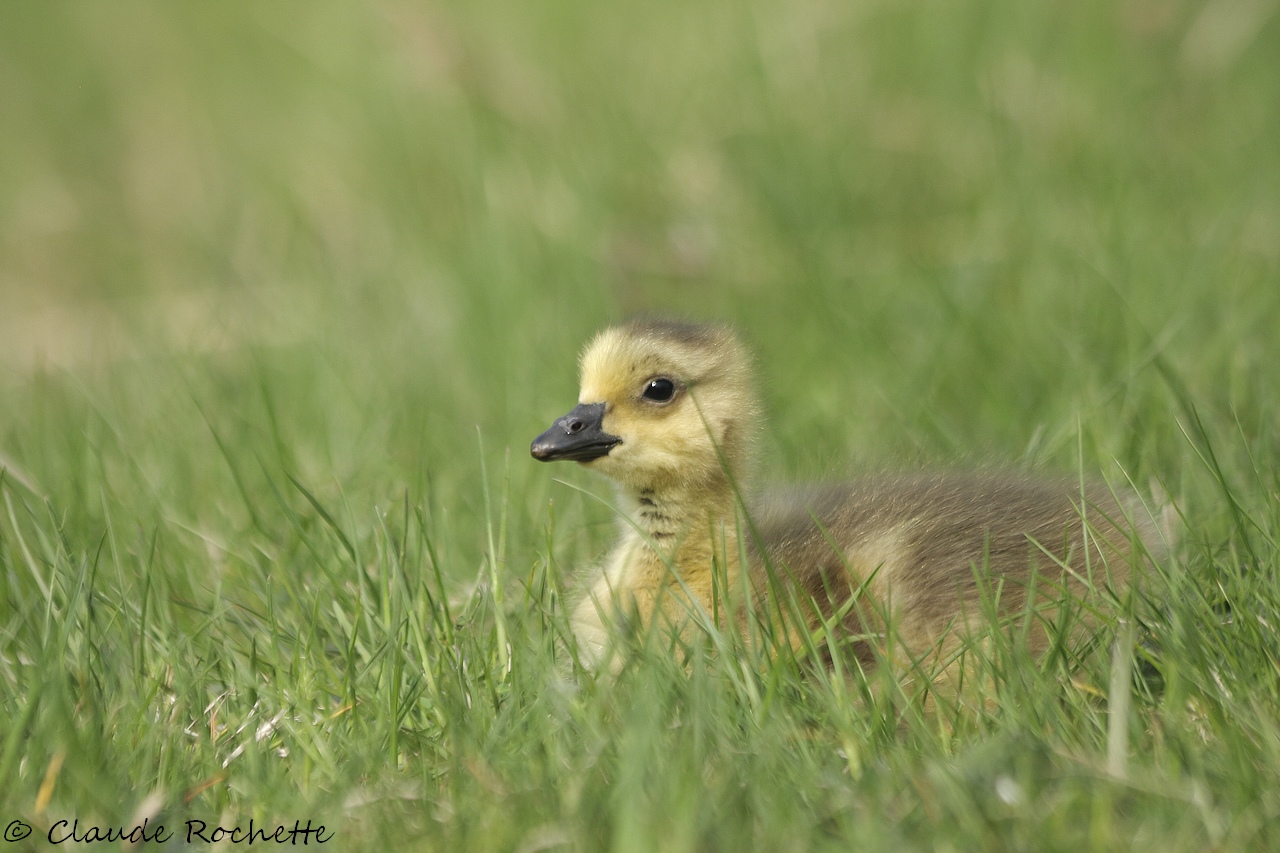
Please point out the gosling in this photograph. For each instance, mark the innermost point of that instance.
(667, 410)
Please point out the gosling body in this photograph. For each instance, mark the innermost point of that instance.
(667, 411)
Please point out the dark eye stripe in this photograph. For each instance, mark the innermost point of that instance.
(659, 390)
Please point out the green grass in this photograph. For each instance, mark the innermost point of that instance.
(286, 290)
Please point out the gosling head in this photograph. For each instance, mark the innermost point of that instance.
(662, 405)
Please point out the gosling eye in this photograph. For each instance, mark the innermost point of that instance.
(659, 390)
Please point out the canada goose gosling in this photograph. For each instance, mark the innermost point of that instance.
(668, 411)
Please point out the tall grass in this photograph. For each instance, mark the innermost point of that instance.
(286, 290)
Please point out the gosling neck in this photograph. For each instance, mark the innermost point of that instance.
(666, 516)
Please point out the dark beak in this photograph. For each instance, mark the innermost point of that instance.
(578, 437)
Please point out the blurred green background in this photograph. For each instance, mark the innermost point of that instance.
(361, 244)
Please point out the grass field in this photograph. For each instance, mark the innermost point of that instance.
(287, 289)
